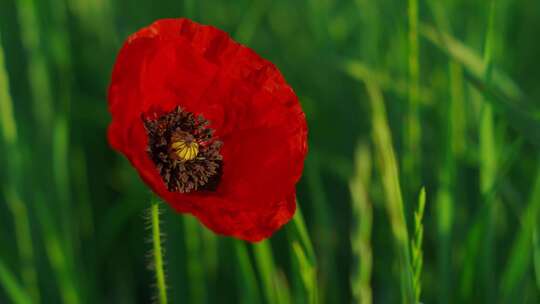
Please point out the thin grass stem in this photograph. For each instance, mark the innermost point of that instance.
(388, 168)
(362, 219)
(488, 164)
(15, 203)
(416, 245)
(413, 130)
(12, 287)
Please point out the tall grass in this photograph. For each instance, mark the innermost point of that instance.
(450, 104)
(388, 168)
(248, 288)
(15, 292)
(454, 130)
(413, 129)
(304, 258)
(523, 251)
(417, 256)
(12, 187)
(362, 213)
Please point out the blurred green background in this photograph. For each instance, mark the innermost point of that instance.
(399, 95)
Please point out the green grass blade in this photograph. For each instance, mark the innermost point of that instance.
(455, 127)
(412, 128)
(248, 26)
(12, 288)
(361, 71)
(210, 242)
(7, 118)
(308, 272)
(17, 207)
(61, 175)
(362, 221)
(85, 209)
(324, 232)
(196, 270)
(24, 243)
(300, 229)
(536, 255)
(506, 97)
(488, 164)
(190, 9)
(416, 245)
(470, 60)
(304, 261)
(522, 249)
(38, 71)
(56, 254)
(267, 270)
(248, 288)
(388, 168)
(283, 294)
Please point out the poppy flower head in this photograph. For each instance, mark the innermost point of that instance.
(210, 126)
(184, 151)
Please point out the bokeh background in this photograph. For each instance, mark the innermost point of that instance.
(399, 95)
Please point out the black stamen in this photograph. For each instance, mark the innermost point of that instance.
(199, 174)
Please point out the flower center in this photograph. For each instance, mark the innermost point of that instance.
(184, 147)
(184, 151)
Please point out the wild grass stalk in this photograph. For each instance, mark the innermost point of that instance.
(362, 222)
(49, 133)
(324, 234)
(248, 287)
(18, 208)
(282, 286)
(210, 244)
(38, 71)
(522, 251)
(488, 165)
(60, 61)
(386, 81)
(195, 267)
(157, 252)
(24, 243)
(304, 257)
(85, 210)
(266, 267)
(307, 271)
(248, 26)
(7, 117)
(12, 287)
(190, 8)
(388, 169)
(301, 234)
(412, 125)
(274, 284)
(61, 174)
(536, 255)
(416, 246)
(56, 254)
(454, 131)
(96, 17)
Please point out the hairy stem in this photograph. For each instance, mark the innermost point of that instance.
(158, 252)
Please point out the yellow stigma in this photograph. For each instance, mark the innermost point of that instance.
(185, 151)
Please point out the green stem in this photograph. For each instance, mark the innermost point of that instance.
(158, 253)
(413, 135)
(388, 167)
(13, 289)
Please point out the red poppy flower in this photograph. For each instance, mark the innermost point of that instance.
(210, 126)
